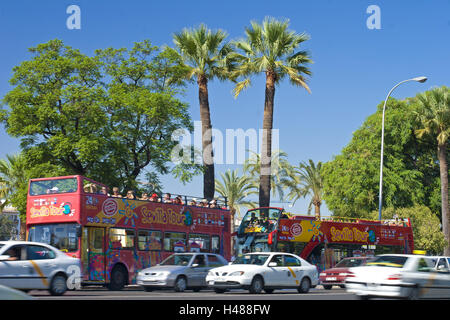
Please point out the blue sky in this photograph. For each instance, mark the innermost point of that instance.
(354, 66)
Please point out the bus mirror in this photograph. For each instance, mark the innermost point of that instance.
(78, 230)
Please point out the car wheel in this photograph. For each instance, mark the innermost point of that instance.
(305, 284)
(217, 290)
(118, 278)
(414, 294)
(257, 285)
(58, 286)
(180, 284)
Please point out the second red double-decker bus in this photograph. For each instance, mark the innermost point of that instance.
(117, 237)
(322, 242)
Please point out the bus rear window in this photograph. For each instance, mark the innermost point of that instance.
(41, 187)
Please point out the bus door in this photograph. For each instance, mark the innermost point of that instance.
(94, 256)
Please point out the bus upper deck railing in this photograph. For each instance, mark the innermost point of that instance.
(403, 222)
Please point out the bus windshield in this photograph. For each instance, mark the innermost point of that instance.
(65, 185)
(260, 220)
(62, 235)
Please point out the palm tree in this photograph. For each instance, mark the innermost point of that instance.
(433, 115)
(270, 48)
(236, 189)
(205, 54)
(280, 169)
(306, 180)
(12, 175)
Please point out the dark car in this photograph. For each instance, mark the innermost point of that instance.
(336, 276)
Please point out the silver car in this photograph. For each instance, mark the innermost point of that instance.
(180, 271)
(32, 265)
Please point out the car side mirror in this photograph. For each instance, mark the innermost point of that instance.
(230, 262)
(272, 264)
(194, 265)
(4, 257)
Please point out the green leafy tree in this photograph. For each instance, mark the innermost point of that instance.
(107, 117)
(142, 108)
(306, 180)
(270, 48)
(425, 224)
(56, 106)
(351, 179)
(433, 116)
(205, 54)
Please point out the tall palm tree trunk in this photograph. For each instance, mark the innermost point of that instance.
(444, 195)
(317, 205)
(266, 147)
(207, 148)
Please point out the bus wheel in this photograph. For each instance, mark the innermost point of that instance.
(257, 285)
(305, 284)
(180, 284)
(118, 278)
(58, 286)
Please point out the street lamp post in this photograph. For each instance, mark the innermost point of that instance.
(418, 79)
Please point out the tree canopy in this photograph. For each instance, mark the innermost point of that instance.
(109, 116)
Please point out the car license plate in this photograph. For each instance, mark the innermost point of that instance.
(330, 278)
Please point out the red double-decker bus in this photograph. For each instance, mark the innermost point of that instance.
(117, 237)
(322, 242)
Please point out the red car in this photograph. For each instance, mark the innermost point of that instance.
(336, 276)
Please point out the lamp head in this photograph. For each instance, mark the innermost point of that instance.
(420, 79)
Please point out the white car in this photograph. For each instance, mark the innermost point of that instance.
(32, 265)
(399, 276)
(264, 271)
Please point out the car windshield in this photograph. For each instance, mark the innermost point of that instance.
(177, 260)
(388, 261)
(256, 259)
(349, 262)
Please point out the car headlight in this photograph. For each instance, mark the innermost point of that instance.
(236, 273)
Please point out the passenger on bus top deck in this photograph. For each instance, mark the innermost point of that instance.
(130, 195)
(104, 191)
(144, 196)
(154, 198)
(213, 203)
(193, 202)
(167, 199)
(116, 193)
(178, 200)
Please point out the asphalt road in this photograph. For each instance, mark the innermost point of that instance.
(136, 293)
